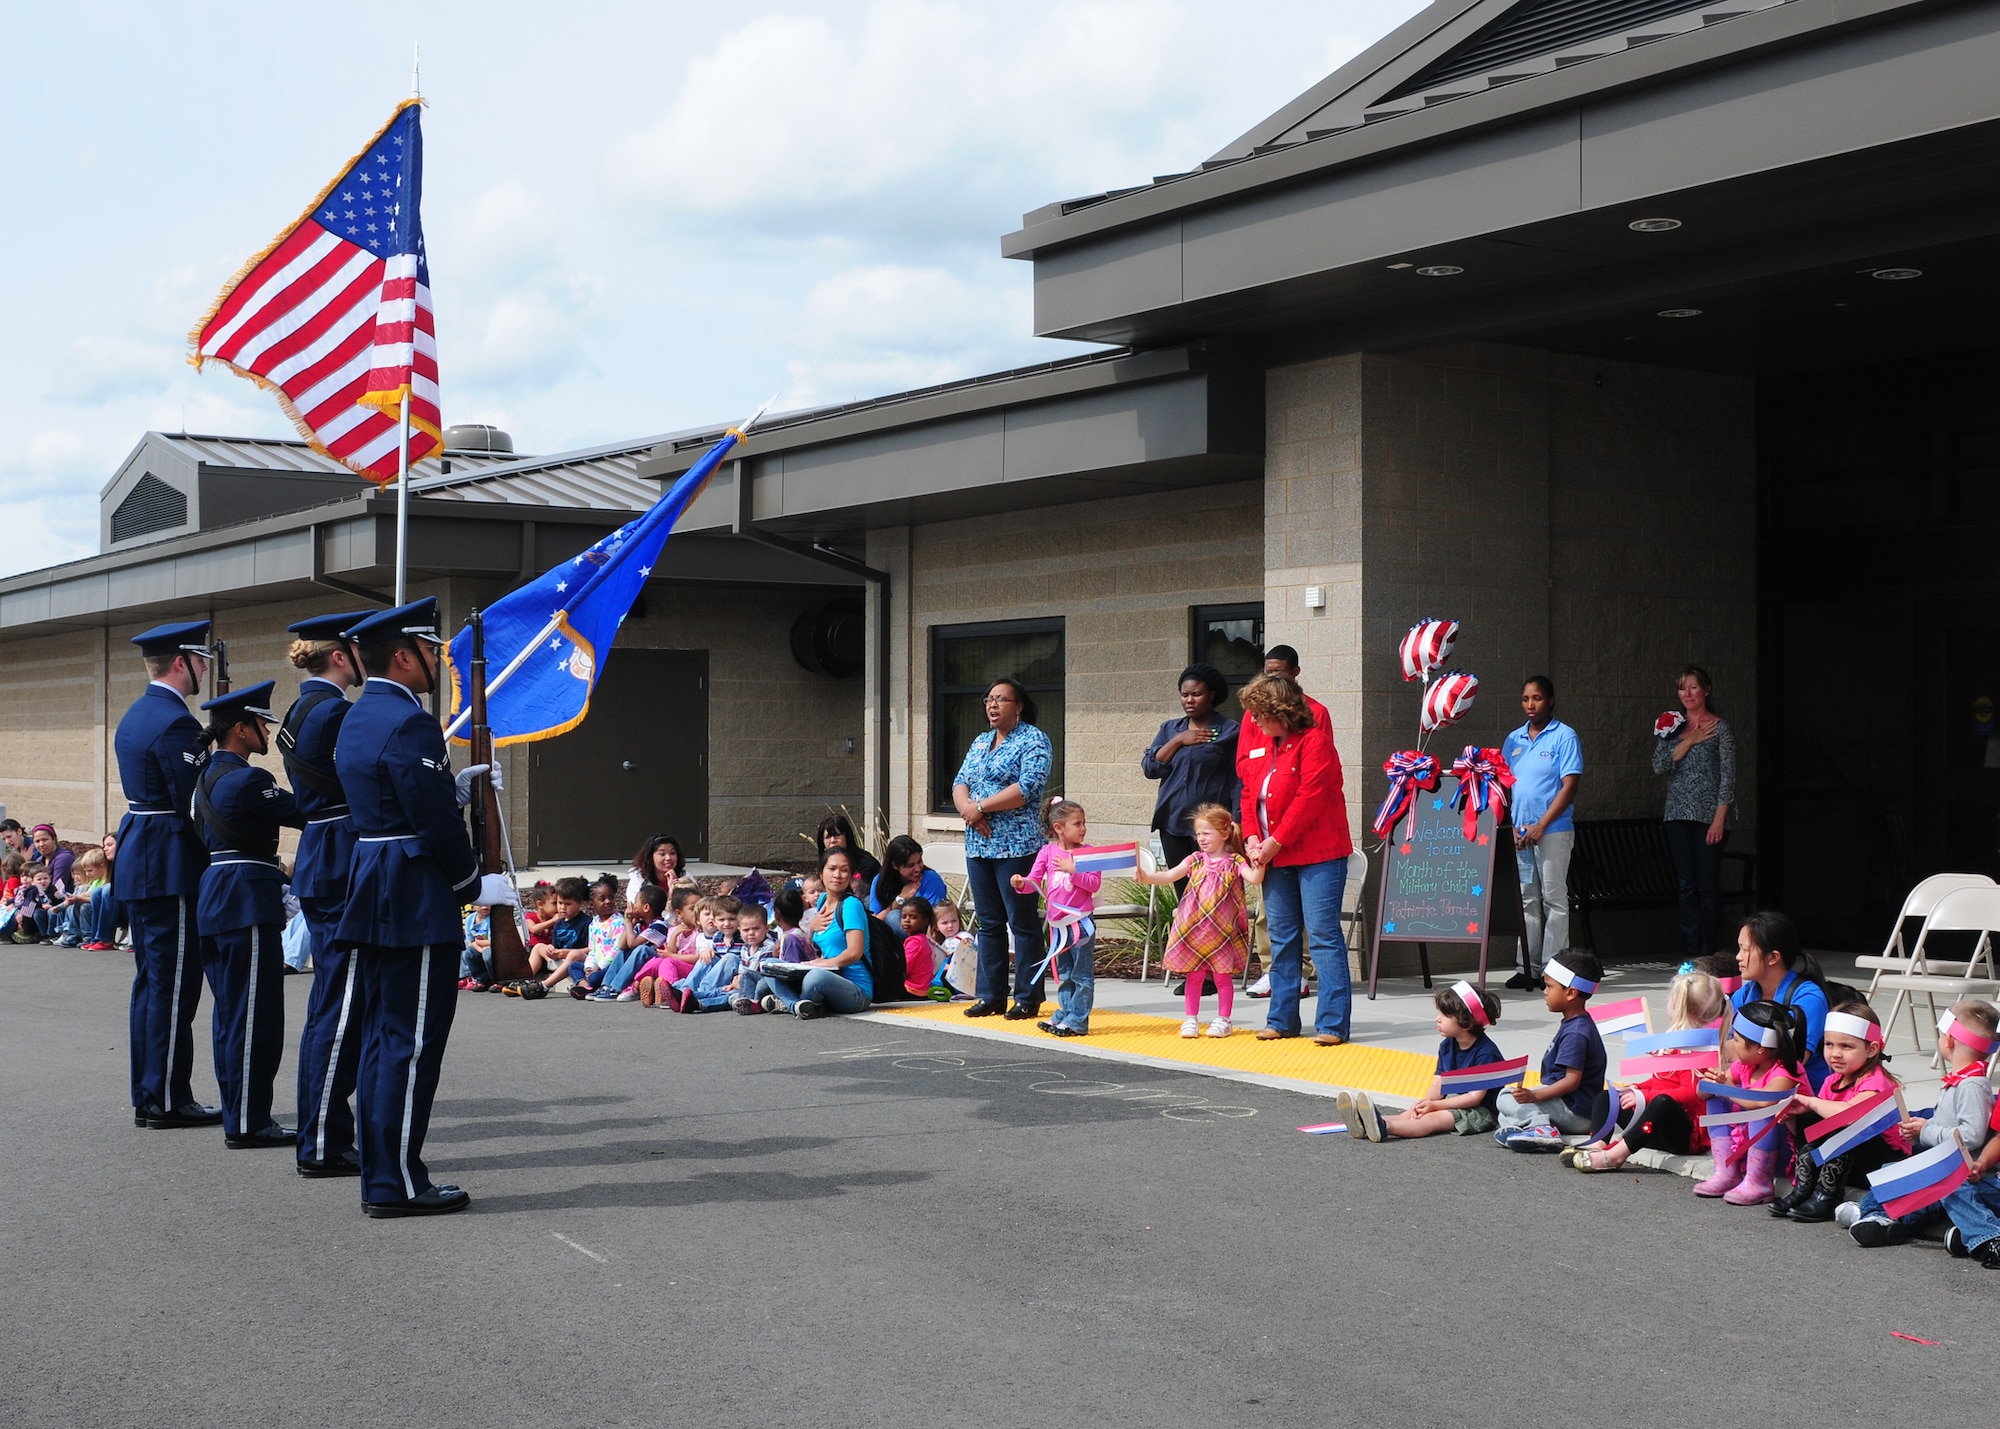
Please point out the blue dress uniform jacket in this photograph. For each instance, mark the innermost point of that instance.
(159, 757)
(244, 886)
(326, 848)
(414, 868)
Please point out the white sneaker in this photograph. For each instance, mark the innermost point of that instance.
(1220, 1027)
(1191, 1027)
(630, 994)
(1846, 1214)
(1261, 987)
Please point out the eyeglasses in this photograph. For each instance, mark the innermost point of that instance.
(1001, 700)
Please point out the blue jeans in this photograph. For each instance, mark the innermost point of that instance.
(1301, 905)
(107, 915)
(822, 985)
(1076, 967)
(1975, 1209)
(474, 964)
(1872, 1209)
(1006, 918)
(619, 972)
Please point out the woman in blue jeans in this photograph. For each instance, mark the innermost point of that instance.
(838, 979)
(998, 792)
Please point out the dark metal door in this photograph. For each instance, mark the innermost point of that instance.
(636, 766)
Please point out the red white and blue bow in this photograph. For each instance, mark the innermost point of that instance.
(1483, 777)
(1409, 770)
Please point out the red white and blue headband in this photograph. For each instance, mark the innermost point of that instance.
(1863, 1029)
(1567, 978)
(1474, 1008)
(1949, 1026)
(1754, 1032)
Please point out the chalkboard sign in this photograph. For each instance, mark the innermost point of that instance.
(1438, 886)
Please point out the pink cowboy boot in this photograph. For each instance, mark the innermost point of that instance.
(1728, 1165)
(1760, 1172)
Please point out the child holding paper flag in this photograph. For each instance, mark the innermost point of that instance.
(1900, 1198)
(1854, 1118)
(1974, 1208)
(1210, 936)
(1572, 1069)
(1767, 1041)
(1068, 875)
(1664, 1111)
(1467, 1055)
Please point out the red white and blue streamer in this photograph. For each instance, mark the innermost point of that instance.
(1484, 777)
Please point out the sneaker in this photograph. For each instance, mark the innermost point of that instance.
(1350, 1115)
(1504, 1135)
(97, 947)
(1988, 1254)
(1846, 1214)
(468, 984)
(769, 1002)
(1955, 1246)
(745, 1005)
(1191, 1027)
(603, 994)
(578, 991)
(1535, 1138)
(805, 1009)
(1261, 987)
(630, 994)
(1220, 1027)
(1872, 1232)
(1370, 1119)
(1068, 1032)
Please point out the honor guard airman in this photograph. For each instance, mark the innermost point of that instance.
(238, 809)
(330, 1045)
(158, 874)
(414, 869)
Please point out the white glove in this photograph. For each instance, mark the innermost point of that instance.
(494, 888)
(464, 781)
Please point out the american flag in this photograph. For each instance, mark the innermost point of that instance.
(335, 315)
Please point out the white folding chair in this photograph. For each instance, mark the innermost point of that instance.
(1960, 910)
(947, 861)
(1894, 957)
(1354, 908)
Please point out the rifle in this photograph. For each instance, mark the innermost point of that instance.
(221, 648)
(510, 954)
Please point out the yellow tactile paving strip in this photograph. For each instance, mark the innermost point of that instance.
(1135, 1034)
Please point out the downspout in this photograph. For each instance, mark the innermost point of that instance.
(742, 525)
(320, 577)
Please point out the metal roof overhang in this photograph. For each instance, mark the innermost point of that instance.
(1799, 148)
(1109, 426)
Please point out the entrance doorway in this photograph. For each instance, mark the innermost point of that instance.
(636, 766)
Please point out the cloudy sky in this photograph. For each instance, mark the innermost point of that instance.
(640, 216)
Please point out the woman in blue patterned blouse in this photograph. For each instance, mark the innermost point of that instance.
(998, 792)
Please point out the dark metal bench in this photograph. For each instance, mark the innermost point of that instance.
(1621, 864)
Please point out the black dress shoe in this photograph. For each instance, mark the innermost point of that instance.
(984, 1009)
(193, 1114)
(341, 1165)
(272, 1135)
(437, 1201)
(143, 1114)
(1022, 1011)
(1519, 982)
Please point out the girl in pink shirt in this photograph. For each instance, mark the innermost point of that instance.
(1068, 898)
(1852, 1047)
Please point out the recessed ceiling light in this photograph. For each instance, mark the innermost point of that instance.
(1394, 266)
(1654, 225)
(1440, 270)
(1897, 275)
(1680, 312)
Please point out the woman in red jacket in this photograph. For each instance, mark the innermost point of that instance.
(1295, 827)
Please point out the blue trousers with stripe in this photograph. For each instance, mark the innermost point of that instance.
(330, 1045)
(246, 970)
(406, 998)
(166, 991)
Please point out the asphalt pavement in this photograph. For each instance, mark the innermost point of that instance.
(755, 1221)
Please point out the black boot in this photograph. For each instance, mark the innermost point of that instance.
(1804, 1182)
(1825, 1197)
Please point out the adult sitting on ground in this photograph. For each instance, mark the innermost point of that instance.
(902, 878)
(658, 862)
(838, 979)
(836, 832)
(1295, 826)
(998, 792)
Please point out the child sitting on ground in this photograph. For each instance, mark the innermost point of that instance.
(1974, 1208)
(667, 941)
(1210, 936)
(606, 923)
(1464, 1012)
(1767, 1042)
(1664, 1111)
(540, 903)
(1536, 1119)
(920, 948)
(475, 962)
(569, 935)
(710, 982)
(958, 963)
(26, 919)
(759, 941)
(1964, 1108)
(14, 865)
(1852, 1046)
(644, 928)
(79, 926)
(788, 910)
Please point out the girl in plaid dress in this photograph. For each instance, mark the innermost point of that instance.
(1211, 930)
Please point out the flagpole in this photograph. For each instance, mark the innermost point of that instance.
(403, 504)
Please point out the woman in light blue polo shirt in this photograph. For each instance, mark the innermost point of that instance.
(1547, 760)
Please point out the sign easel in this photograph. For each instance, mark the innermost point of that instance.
(1438, 886)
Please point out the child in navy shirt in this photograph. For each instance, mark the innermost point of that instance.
(1536, 1119)
(1464, 1014)
(569, 935)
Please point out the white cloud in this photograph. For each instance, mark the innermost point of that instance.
(102, 369)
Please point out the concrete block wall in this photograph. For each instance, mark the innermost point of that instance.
(1123, 573)
(53, 743)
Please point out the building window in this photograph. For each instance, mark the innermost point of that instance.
(965, 661)
(1231, 638)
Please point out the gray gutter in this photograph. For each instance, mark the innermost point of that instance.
(1787, 26)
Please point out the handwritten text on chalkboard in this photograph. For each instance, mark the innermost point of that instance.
(1436, 881)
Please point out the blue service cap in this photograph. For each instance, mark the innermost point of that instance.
(327, 627)
(239, 704)
(416, 621)
(191, 636)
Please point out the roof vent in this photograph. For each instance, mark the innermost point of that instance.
(477, 437)
(151, 505)
(1538, 28)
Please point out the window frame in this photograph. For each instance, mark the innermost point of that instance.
(944, 763)
(1200, 617)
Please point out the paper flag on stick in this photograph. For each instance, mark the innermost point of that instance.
(1668, 1062)
(1921, 1180)
(1679, 1039)
(1476, 1079)
(1854, 1124)
(1622, 1019)
(1742, 1096)
(1325, 1128)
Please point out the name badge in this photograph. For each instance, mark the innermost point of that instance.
(1259, 753)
